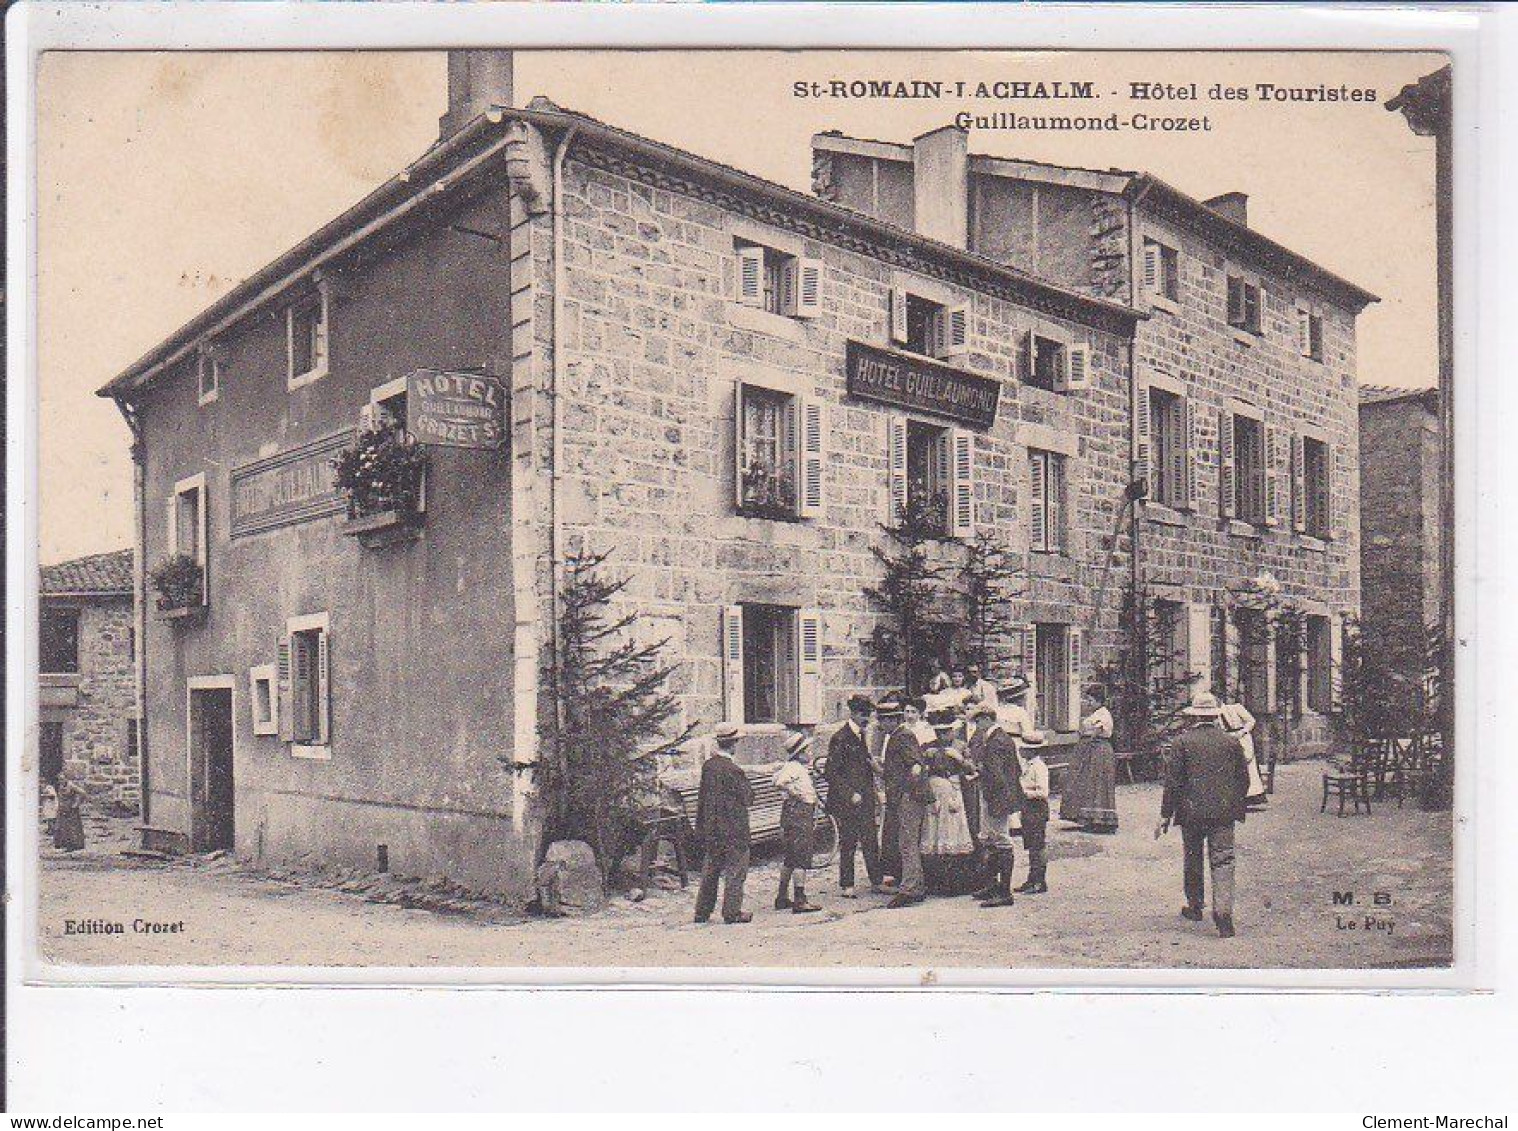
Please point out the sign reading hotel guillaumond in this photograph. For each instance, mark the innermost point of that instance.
(921, 384)
(458, 410)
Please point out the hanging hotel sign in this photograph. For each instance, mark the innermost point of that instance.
(458, 410)
(921, 384)
(292, 486)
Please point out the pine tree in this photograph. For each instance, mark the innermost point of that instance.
(1149, 683)
(987, 582)
(909, 593)
(612, 722)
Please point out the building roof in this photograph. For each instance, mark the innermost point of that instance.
(467, 152)
(99, 575)
(1137, 186)
(1390, 394)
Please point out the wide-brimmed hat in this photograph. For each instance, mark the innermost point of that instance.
(725, 733)
(860, 703)
(796, 743)
(942, 720)
(1013, 685)
(1034, 738)
(1203, 706)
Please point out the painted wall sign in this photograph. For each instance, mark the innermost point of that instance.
(293, 486)
(921, 384)
(459, 410)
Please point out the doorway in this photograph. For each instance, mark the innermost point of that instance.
(213, 822)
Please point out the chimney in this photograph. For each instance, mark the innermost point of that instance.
(477, 80)
(1232, 206)
(941, 185)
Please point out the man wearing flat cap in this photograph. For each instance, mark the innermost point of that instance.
(851, 796)
(722, 830)
(1205, 788)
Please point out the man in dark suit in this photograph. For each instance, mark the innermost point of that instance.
(851, 796)
(722, 830)
(1205, 788)
(994, 753)
(906, 787)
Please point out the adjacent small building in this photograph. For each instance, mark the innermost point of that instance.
(1403, 529)
(88, 724)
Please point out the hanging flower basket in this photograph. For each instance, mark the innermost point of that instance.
(180, 582)
(382, 476)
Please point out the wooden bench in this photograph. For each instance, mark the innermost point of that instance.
(764, 813)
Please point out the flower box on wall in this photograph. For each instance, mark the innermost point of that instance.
(384, 528)
(184, 614)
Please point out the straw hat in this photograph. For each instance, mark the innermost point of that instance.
(725, 734)
(796, 743)
(1034, 738)
(1203, 706)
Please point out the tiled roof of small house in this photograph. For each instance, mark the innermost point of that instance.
(1386, 394)
(99, 575)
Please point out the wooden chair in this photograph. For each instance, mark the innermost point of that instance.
(1346, 786)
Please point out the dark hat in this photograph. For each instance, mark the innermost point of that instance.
(890, 705)
(942, 720)
(860, 703)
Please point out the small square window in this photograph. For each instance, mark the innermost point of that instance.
(1243, 304)
(208, 378)
(264, 699)
(1048, 363)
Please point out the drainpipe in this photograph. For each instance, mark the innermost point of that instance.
(555, 540)
(139, 601)
(1135, 574)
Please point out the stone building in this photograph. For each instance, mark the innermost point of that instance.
(728, 385)
(1402, 525)
(1243, 411)
(88, 721)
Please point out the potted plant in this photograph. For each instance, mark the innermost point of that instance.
(768, 493)
(381, 475)
(180, 582)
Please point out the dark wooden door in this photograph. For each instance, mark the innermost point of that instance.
(213, 709)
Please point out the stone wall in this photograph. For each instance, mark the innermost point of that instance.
(655, 344)
(96, 750)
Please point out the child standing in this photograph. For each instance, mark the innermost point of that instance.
(798, 822)
(1035, 810)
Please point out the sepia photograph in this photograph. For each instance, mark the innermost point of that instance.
(744, 511)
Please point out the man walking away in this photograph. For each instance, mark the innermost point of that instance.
(907, 780)
(722, 829)
(1205, 788)
(851, 796)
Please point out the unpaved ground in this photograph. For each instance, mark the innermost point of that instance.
(1114, 903)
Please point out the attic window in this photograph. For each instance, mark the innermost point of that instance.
(306, 330)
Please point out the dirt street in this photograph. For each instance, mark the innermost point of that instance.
(1114, 903)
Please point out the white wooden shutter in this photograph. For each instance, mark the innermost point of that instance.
(740, 444)
(808, 288)
(368, 416)
(1038, 513)
(813, 414)
(751, 276)
(1199, 644)
(1055, 484)
(1271, 437)
(1227, 469)
(896, 457)
(323, 675)
(898, 315)
(1298, 495)
(1030, 667)
(732, 663)
(282, 692)
(1143, 439)
(1304, 332)
(1074, 657)
(1176, 472)
(1077, 368)
(1151, 267)
(323, 331)
(1191, 450)
(1336, 662)
(962, 494)
(173, 524)
(809, 667)
(953, 331)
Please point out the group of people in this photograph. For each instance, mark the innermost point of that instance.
(930, 809)
(928, 798)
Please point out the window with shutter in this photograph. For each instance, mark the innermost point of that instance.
(1315, 487)
(1271, 447)
(1077, 368)
(1298, 484)
(1143, 441)
(732, 663)
(306, 656)
(751, 275)
(1227, 469)
(1048, 367)
(769, 445)
(808, 288)
(896, 459)
(1075, 657)
(955, 333)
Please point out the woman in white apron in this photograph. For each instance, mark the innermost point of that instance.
(1238, 722)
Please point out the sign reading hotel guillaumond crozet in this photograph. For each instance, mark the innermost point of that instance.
(459, 410)
(921, 384)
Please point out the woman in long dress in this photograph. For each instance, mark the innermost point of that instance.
(1097, 804)
(1238, 722)
(68, 826)
(948, 847)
